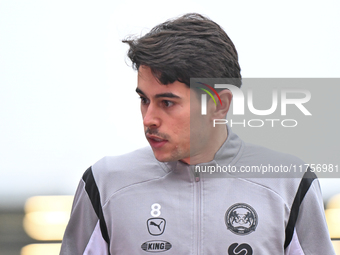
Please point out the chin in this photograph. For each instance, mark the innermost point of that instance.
(164, 158)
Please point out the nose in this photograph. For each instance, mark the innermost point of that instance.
(151, 117)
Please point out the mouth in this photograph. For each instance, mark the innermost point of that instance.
(156, 141)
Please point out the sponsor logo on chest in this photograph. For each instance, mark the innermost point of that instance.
(156, 246)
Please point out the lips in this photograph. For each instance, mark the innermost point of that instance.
(155, 141)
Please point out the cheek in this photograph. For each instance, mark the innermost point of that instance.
(180, 129)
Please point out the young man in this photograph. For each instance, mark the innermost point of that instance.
(155, 200)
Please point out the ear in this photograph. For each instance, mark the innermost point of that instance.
(222, 110)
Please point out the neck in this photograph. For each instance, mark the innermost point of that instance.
(207, 153)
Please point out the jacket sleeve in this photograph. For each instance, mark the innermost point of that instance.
(84, 232)
(309, 235)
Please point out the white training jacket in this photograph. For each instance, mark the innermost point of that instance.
(133, 204)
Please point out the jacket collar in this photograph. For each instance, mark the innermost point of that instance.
(228, 154)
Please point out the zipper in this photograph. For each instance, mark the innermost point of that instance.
(197, 212)
(197, 176)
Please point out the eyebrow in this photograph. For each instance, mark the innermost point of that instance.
(168, 94)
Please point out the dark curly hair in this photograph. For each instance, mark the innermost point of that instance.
(191, 46)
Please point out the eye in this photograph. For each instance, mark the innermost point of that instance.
(167, 103)
(144, 100)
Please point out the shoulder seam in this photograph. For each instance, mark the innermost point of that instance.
(134, 184)
(265, 187)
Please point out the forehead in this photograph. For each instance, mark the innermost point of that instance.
(150, 85)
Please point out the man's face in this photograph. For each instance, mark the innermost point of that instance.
(166, 116)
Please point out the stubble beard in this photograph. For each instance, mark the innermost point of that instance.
(176, 154)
